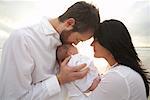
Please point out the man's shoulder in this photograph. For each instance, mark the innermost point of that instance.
(22, 32)
(18, 33)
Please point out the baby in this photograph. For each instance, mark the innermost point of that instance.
(89, 82)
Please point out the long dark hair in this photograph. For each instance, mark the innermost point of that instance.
(114, 36)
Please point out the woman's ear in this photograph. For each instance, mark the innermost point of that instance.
(69, 23)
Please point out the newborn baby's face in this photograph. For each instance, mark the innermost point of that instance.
(72, 50)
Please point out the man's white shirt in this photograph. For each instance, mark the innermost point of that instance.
(28, 65)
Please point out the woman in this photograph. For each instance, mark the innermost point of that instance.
(125, 80)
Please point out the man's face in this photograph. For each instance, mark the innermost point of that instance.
(75, 37)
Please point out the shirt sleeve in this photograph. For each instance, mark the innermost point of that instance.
(111, 87)
(16, 76)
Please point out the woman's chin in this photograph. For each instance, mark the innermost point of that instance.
(96, 56)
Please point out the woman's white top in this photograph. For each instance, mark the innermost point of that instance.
(120, 83)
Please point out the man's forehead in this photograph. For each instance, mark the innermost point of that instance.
(89, 31)
(86, 36)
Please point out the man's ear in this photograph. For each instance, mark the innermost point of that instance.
(69, 23)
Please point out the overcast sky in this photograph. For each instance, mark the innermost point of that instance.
(135, 14)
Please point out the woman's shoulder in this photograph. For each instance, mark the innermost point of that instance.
(119, 68)
(132, 79)
(118, 71)
(124, 71)
(125, 75)
(113, 86)
(117, 75)
(120, 82)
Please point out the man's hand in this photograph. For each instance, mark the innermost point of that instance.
(68, 74)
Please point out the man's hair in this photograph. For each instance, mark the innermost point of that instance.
(86, 16)
(61, 52)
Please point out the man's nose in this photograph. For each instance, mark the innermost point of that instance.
(76, 42)
(92, 44)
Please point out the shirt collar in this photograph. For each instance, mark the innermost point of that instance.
(48, 29)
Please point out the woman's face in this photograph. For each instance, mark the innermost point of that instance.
(99, 50)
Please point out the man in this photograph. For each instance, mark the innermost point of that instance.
(28, 60)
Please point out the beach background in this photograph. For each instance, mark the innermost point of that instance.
(135, 14)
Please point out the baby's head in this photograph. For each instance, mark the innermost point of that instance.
(64, 51)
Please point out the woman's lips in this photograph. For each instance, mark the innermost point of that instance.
(94, 50)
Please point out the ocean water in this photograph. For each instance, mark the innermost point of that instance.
(144, 55)
(0, 54)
